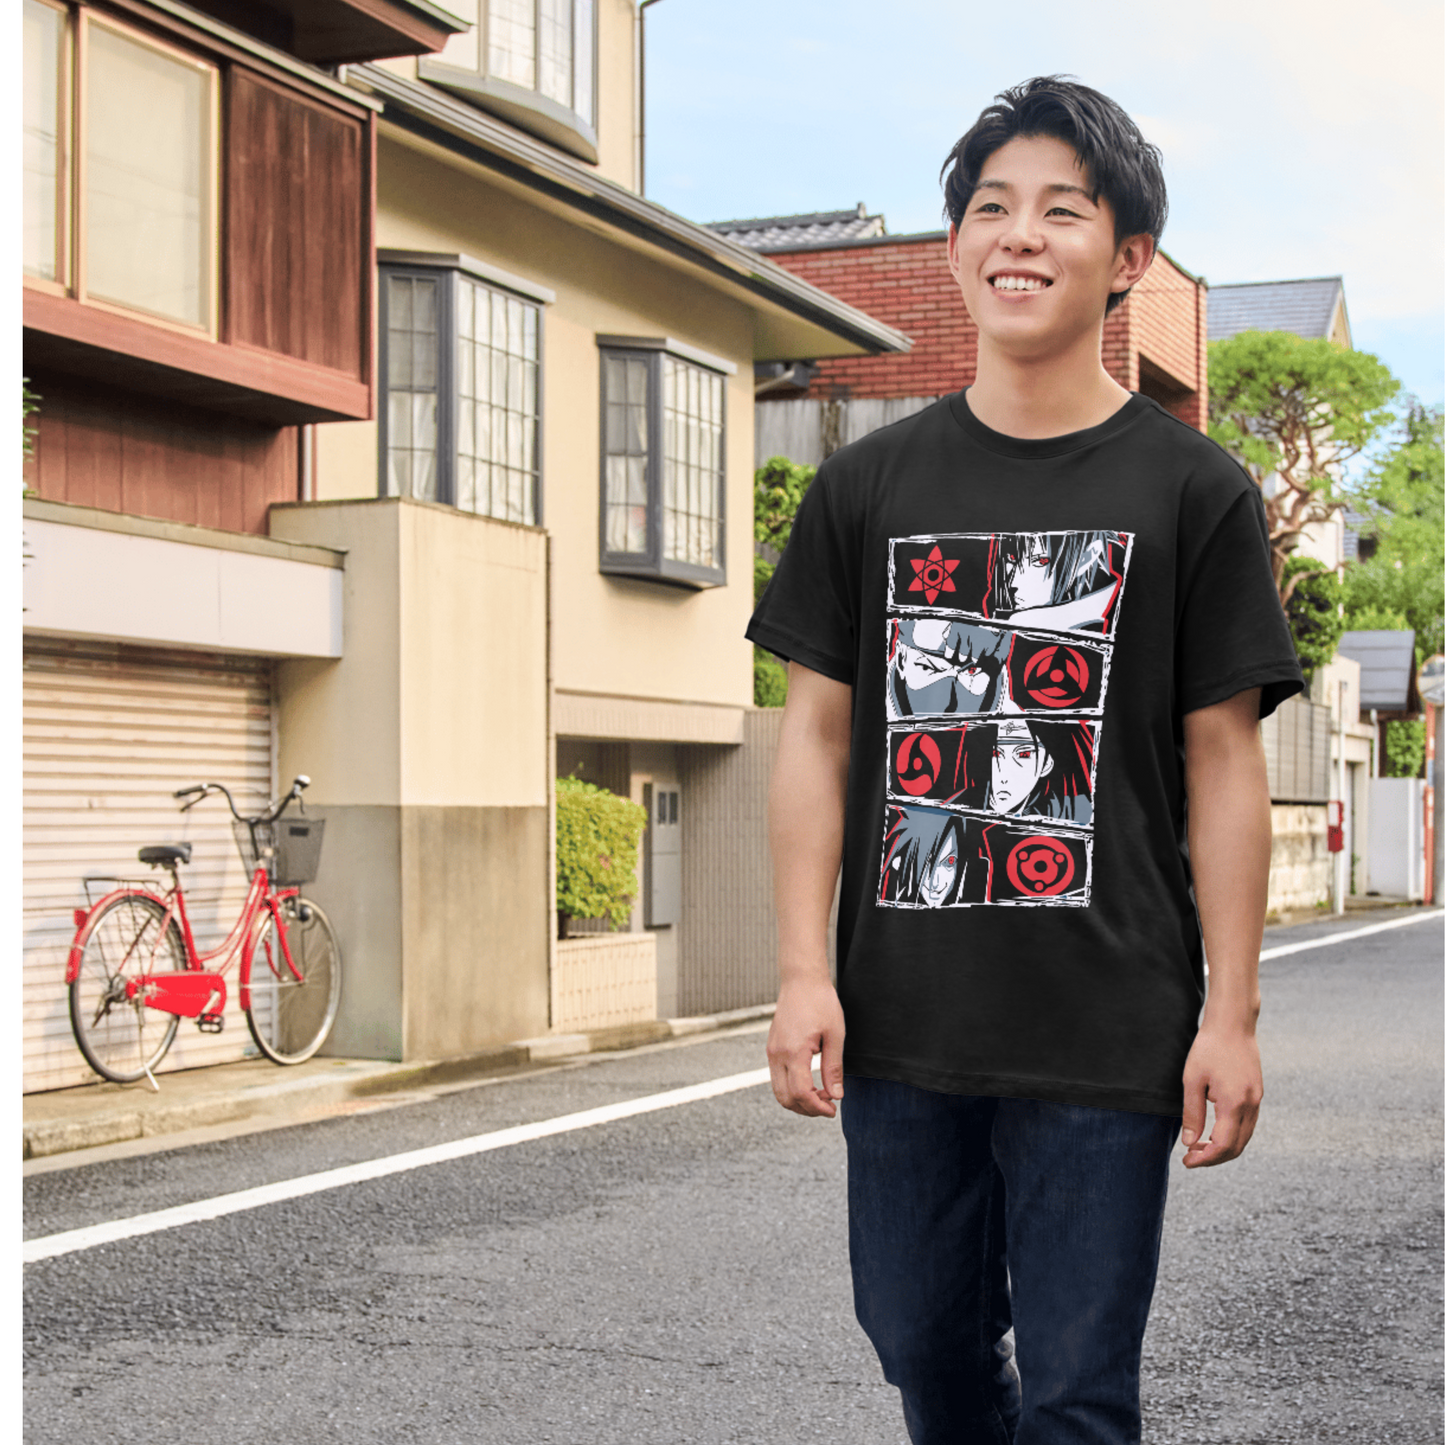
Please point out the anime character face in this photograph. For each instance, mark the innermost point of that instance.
(1019, 761)
(940, 875)
(946, 667)
(1029, 576)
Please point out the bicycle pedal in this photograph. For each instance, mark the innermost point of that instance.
(210, 1023)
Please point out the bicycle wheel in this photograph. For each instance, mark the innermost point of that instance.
(289, 1017)
(120, 1037)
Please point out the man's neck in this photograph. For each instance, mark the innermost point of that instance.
(1034, 399)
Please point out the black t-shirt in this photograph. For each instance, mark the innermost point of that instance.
(1024, 625)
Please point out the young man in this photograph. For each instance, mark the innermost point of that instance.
(1020, 984)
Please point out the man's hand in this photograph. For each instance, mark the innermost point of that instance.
(805, 831)
(1229, 849)
(1223, 1066)
(809, 1021)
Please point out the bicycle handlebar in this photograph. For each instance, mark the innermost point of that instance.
(203, 790)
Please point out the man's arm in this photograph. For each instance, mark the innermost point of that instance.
(805, 831)
(1229, 847)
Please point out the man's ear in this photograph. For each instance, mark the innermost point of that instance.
(1134, 258)
(953, 249)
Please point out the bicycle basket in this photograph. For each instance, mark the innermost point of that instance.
(298, 849)
(256, 844)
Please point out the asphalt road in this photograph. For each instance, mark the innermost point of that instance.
(682, 1276)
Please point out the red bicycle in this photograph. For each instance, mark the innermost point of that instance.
(134, 970)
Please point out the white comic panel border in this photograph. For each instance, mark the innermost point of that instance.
(1098, 645)
(938, 608)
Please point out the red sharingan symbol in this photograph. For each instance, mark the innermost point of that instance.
(1040, 866)
(933, 574)
(918, 766)
(1057, 677)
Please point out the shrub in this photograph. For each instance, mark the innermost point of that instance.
(1313, 611)
(1404, 748)
(770, 679)
(597, 838)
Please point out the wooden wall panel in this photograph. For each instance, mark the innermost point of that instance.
(99, 447)
(297, 192)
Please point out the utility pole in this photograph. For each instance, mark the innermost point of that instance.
(1342, 862)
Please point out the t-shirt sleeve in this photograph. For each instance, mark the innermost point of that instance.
(808, 614)
(1232, 632)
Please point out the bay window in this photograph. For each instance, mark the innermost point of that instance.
(533, 63)
(662, 483)
(461, 380)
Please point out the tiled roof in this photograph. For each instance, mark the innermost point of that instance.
(1387, 669)
(1305, 307)
(788, 233)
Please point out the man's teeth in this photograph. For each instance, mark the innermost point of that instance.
(1018, 283)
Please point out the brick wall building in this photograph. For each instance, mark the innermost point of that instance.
(1155, 342)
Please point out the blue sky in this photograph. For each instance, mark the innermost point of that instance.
(1300, 137)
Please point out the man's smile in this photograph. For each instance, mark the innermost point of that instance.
(1018, 281)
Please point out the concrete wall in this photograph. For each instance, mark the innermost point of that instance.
(1300, 865)
(427, 744)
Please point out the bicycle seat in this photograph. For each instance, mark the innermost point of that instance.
(166, 853)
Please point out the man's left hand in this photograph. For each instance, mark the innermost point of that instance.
(1223, 1067)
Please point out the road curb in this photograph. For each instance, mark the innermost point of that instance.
(93, 1115)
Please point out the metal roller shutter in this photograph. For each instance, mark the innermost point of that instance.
(110, 732)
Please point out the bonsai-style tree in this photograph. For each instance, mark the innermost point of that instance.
(1295, 409)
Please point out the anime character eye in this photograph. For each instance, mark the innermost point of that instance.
(950, 860)
(972, 670)
(1043, 560)
(1025, 753)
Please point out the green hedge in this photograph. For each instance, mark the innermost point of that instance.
(597, 838)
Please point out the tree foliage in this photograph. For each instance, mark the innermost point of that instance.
(1313, 610)
(1404, 748)
(1401, 574)
(778, 488)
(1297, 409)
(597, 837)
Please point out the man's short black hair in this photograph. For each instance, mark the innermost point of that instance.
(1121, 165)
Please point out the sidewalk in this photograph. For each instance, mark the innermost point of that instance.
(61, 1121)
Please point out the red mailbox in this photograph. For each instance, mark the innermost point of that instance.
(1337, 827)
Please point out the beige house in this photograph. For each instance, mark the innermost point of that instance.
(548, 539)
(389, 435)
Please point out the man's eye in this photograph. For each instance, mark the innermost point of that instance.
(1025, 754)
(930, 666)
(988, 206)
(950, 861)
(1042, 561)
(972, 670)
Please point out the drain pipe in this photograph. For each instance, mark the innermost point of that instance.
(642, 96)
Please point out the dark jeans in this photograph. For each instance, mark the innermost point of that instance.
(942, 1190)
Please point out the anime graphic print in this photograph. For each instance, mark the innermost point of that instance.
(998, 654)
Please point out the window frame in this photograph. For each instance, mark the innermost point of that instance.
(652, 565)
(447, 270)
(72, 239)
(65, 102)
(524, 106)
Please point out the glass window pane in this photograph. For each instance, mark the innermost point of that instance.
(555, 51)
(512, 41)
(466, 298)
(637, 382)
(148, 227)
(44, 30)
(398, 302)
(582, 22)
(398, 420)
(466, 484)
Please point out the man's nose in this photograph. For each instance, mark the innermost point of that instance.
(1024, 236)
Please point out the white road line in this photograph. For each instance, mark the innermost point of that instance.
(49, 1245)
(1285, 948)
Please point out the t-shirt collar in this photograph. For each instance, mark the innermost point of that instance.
(1040, 448)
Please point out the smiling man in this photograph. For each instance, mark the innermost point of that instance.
(1020, 1009)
